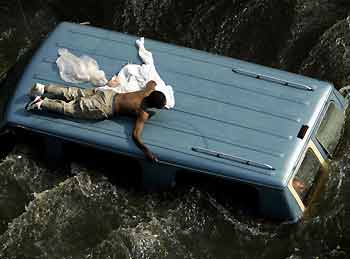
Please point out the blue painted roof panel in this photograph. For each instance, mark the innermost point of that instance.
(216, 109)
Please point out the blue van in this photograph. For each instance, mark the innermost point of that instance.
(269, 129)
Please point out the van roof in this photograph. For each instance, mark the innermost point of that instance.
(232, 118)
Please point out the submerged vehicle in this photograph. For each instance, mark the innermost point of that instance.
(268, 129)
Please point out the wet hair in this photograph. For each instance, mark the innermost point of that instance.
(156, 100)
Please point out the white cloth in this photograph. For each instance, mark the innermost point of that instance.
(134, 77)
(75, 69)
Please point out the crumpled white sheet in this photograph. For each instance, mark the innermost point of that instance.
(75, 69)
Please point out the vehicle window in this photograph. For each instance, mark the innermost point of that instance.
(331, 128)
(306, 178)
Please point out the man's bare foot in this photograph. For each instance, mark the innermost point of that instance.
(35, 104)
(37, 90)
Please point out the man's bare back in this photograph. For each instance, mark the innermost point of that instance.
(132, 103)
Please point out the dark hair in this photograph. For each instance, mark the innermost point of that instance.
(156, 100)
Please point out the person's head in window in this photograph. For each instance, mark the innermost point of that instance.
(299, 186)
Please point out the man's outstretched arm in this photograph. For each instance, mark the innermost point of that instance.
(140, 122)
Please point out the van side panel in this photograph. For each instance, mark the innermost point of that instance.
(295, 211)
(279, 203)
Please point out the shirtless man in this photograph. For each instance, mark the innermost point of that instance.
(92, 103)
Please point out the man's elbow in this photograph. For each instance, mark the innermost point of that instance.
(135, 137)
(151, 83)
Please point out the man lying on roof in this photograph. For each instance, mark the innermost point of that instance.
(105, 102)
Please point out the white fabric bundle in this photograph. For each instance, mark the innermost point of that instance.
(75, 69)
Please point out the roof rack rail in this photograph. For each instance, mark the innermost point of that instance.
(232, 158)
(272, 79)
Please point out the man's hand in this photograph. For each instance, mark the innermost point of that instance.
(114, 82)
(152, 157)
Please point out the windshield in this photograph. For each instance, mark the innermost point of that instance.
(330, 130)
(305, 180)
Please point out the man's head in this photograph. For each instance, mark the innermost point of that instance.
(156, 100)
(299, 186)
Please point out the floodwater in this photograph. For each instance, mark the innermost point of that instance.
(90, 206)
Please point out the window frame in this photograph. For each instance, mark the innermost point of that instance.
(311, 145)
(315, 139)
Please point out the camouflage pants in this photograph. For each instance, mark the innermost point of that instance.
(76, 102)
